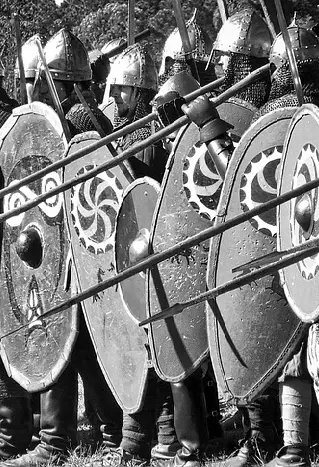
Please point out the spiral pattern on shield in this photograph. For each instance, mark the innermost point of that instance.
(307, 169)
(94, 207)
(202, 183)
(259, 185)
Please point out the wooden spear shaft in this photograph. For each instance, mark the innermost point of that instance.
(23, 86)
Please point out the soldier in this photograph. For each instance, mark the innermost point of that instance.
(100, 65)
(173, 59)
(68, 62)
(15, 405)
(295, 382)
(30, 59)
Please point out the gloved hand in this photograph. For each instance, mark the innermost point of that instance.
(169, 107)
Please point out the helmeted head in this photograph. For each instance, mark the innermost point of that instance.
(173, 53)
(133, 71)
(112, 45)
(245, 32)
(31, 61)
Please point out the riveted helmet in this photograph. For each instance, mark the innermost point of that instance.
(30, 58)
(111, 45)
(67, 58)
(134, 67)
(245, 33)
(2, 69)
(304, 42)
(199, 41)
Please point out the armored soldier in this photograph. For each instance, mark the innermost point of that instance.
(294, 383)
(69, 63)
(133, 85)
(173, 58)
(100, 65)
(30, 59)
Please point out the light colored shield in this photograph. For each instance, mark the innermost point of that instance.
(34, 251)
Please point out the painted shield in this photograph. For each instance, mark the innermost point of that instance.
(251, 331)
(238, 113)
(92, 207)
(33, 252)
(186, 206)
(132, 237)
(298, 219)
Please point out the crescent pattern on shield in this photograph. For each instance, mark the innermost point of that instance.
(202, 183)
(259, 185)
(94, 207)
(306, 169)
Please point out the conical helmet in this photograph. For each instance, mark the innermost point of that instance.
(30, 58)
(111, 45)
(246, 33)
(200, 44)
(304, 42)
(67, 58)
(134, 67)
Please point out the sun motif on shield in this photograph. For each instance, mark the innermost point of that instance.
(259, 185)
(94, 207)
(202, 184)
(304, 210)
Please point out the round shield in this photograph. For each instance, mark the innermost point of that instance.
(34, 252)
(238, 113)
(132, 237)
(251, 330)
(298, 219)
(92, 208)
(179, 344)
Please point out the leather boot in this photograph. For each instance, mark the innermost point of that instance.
(58, 424)
(15, 426)
(190, 421)
(295, 455)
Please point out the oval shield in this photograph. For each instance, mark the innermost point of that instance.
(186, 206)
(238, 113)
(132, 236)
(34, 252)
(92, 207)
(251, 330)
(298, 219)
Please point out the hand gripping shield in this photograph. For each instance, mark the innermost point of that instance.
(187, 205)
(298, 219)
(34, 249)
(132, 237)
(251, 330)
(92, 208)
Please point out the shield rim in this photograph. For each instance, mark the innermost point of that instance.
(39, 108)
(128, 410)
(233, 167)
(139, 181)
(305, 109)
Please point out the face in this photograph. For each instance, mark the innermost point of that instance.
(223, 61)
(125, 98)
(43, 92)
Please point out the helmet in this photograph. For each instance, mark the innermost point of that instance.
(134, 67)
(200, 44)
(30, 58)
(2, 70)
(111, 45)
(304, 42)
(246, 33)
(67, 58)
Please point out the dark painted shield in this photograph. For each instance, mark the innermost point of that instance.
(179, 344)
(238, 113)
(251, 330)
(31, 139)
(298, 220)
(132, 236)
(92, 207)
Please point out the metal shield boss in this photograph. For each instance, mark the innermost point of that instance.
(251, 330)
(238, 113)
(187, 205)
(33, 252)
(92, 207)
(298, 219)
(132, 239)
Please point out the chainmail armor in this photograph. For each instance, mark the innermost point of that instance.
(79, 120)
(205, 76)
(282, 93)
(240, 66)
